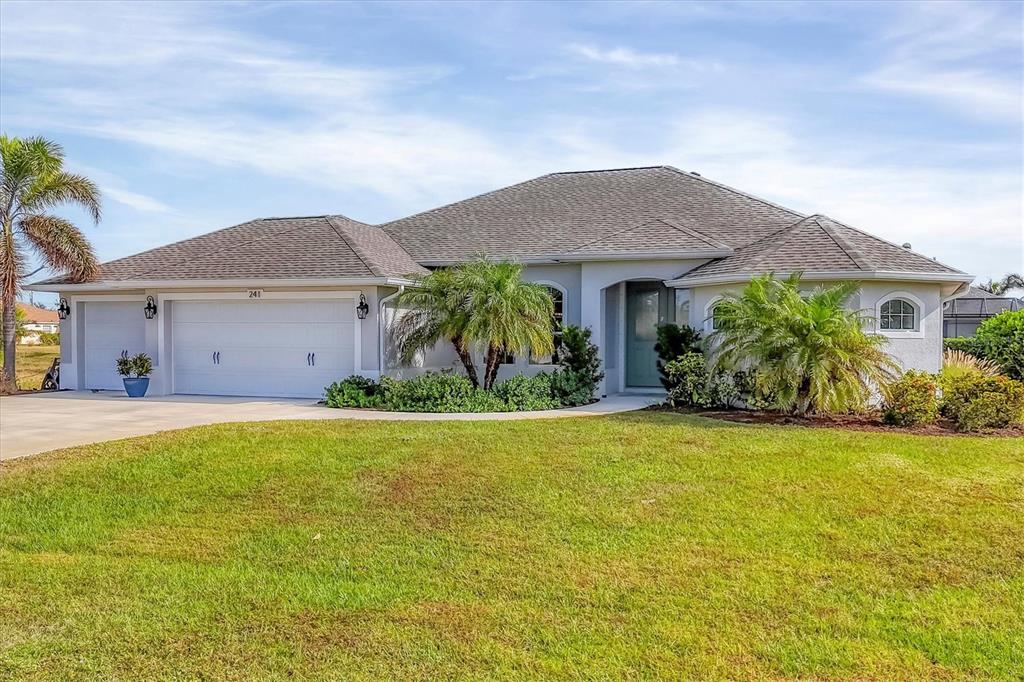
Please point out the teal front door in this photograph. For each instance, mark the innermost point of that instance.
(645, 309)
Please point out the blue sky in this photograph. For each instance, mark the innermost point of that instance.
(903, 119)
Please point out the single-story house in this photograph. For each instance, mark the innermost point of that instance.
(284, 306)
(962, 316)
(36, 321)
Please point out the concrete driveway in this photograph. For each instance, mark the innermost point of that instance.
(38, 422)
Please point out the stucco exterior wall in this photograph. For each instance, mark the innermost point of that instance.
(920, 349)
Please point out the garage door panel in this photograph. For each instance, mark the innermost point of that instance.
(110, 329)
(262, 347)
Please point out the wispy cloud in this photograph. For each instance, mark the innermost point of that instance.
(952, 53)
(623, 56)
(140, 202)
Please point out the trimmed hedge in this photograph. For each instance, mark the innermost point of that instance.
(961, 343)
(452, 393)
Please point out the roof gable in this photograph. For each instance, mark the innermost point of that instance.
(818, 243)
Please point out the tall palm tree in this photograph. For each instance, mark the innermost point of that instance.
(809, 350)
(1001, 286)
(33, 182)
(435, 309)
(506, 314)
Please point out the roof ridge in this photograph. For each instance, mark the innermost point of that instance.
(207, 254)
(894, 244)
(774, 247)
(695, 233)
(607, 170)
(612, 234)
(384, 226)
(181, 241)
(854, 254)
(734, 190)
(357, 249)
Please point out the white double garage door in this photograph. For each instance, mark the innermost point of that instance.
(278, 348)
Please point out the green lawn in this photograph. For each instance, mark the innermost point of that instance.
(31, 364)
(644, 545)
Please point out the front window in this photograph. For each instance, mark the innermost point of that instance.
(557, 299)
(898, 314)
(716, 318)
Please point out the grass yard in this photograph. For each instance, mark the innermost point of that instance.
(645, 545)
(32, 362)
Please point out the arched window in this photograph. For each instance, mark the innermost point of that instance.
(898, 314)
(558, 299)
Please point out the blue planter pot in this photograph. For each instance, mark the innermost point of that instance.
(137, 387)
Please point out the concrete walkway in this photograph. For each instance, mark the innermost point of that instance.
(38, 422)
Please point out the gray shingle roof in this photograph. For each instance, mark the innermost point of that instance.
(561, 213)
(818, 243)
(578, 215)
(271, 248)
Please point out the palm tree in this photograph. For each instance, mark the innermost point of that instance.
(506, 314)
(435, 308)
(479, 304)
(809, 350)
(1001, 286)
(33, 182)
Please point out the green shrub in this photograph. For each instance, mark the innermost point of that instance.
(570, 389)
(581, 358)
(688, 381)
(673, 341)
(912, 400)
(749, 389)
(355, 391)
(1001, 339)
(526, 393)
(976, 402)
(964, 344)
(49, 338)
(430, 392)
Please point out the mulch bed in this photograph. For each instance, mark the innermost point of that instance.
(871, 421)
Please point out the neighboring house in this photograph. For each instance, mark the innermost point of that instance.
(961, 316)
(269, 307)
(37, 320)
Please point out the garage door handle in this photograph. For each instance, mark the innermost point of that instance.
(218, 357)
(314, 359)
(309, 361)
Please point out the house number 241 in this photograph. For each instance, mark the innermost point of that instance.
(255, 293)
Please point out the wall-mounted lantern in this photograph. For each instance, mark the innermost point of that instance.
(150, 308)
(63, 310)
(362, 310)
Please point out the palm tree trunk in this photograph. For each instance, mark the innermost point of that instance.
(493, 362)
(7, 381)
(467, 360)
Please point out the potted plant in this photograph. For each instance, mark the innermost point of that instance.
(136, 370)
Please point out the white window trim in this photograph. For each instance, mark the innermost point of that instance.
(565, 303)
(708, 324)
(917, 332)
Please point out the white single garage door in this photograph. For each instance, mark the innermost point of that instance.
(111, 329)
(281, 348)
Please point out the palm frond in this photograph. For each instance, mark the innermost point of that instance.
(54, 189)
(61, 245)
